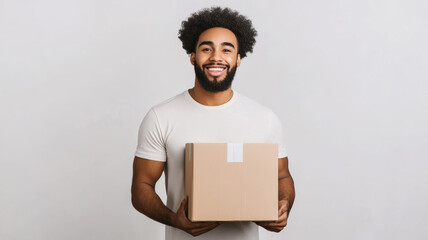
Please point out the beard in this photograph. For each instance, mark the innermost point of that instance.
(215, 85)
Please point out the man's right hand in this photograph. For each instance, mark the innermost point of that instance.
(193, 228)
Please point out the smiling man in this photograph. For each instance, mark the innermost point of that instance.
(216, 39)
(216, 59)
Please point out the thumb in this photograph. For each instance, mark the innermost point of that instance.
(184, 205)
(282, 209)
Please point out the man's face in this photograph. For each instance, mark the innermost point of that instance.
(215, 59)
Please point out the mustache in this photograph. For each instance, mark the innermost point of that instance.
(217, 64)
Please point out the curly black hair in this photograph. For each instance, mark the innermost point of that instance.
(218, 17)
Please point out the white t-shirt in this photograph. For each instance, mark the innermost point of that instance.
(171, 124)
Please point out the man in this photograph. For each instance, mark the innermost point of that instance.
(216, 39)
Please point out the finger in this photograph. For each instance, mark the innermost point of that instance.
(186, 203)
(199, 231)
(278, 224)
(199, 228)
(282, 217)
(282, 214)
(259, 223)
(282, 209)
(182, 205)
(195, 225)
(275, 229)
(265, 223)
(281, 222)
(205, 227)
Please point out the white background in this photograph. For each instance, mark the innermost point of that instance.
(347, 79)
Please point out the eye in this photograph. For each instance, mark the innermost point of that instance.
(226, 50)
(206, 49)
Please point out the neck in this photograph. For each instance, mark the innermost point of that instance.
(207, 98)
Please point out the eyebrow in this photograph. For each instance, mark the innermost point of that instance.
(211, 43)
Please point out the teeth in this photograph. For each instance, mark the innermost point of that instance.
(215, 69)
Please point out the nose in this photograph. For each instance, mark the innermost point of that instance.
(215, 56)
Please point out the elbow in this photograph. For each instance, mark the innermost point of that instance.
(134, 198)
(133, 201)
(140, 195)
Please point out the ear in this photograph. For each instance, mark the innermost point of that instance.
(238, 61)
(192, 58)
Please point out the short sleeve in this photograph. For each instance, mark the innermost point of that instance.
(151, 143)
(277, 135)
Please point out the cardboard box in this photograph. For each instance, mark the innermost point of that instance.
(232, 181)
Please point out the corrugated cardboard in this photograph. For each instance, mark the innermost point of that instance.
(241, 187)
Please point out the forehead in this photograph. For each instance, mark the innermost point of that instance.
(218, 35)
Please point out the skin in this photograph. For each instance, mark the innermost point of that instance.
(214, 47)
(144, 199)
(217, 46)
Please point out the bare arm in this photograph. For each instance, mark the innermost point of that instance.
(285, 184)
(144, 199)
(286, 196)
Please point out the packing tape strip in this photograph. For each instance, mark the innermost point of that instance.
(235, 152)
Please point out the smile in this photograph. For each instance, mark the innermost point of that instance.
(215, 70)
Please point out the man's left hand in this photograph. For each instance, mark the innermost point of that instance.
(277, 226)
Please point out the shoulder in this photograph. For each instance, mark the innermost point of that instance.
(254, 105)
(170, 104)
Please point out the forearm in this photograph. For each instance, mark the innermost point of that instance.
(146, 201)
(286, 191)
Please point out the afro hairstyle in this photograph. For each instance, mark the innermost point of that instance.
(218, 17)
